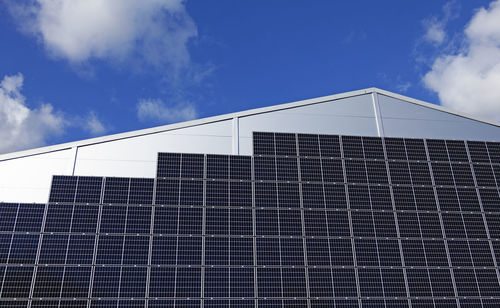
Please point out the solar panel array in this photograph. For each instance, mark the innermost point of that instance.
(307, 221)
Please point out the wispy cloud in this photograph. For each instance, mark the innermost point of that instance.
(20, 126)
(157, 111)
(156, 32)
(353, 36)
(94, 125)
(403, 87)
(434, 26)
(468, 80)
(435, 37)
(434, 31)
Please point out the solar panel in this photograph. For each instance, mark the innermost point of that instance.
(308, 220)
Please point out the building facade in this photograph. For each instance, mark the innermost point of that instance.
(363, 199)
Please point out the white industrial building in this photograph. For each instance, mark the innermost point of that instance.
(26, 176)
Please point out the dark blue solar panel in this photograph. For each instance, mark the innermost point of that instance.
(17, 281)
(80, 249)
(191, 192)
(138, 220)
(88, 189)
(8, 213)
(437, 150)
(162, 282)
(116, 190)
(217, 193)
(168, 165)
(352, 147)
(329, 146)
(84, 218)
(141, 191)
(395, 148)
(167, 192)
(373, 148)
(23, 249)
(217, 167)
(164, 250)
(240, 167)
(29, 218)
(192, 166)
(308, 145)
(265, 168)
(415, 149)
(286, 144)
(263, 143)
(59, 218)
(63, 189)
(240, 194)
(133, 282)
(76, 282)
(48, 281)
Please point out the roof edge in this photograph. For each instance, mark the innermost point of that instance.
(434, 106)
(175, 126)
(214, 119)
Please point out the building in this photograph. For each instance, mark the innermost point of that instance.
(366, 198)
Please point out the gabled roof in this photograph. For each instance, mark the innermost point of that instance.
(169, 127)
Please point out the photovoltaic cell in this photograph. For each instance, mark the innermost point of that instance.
(478, 152)
(494, 152)
(63, 189)
(168, 165)
(192, 166)
(437, 150)
(263, 143)
(415, 149)
(286, 144)
(89, 189)
(217, 166)
(329, 146)
(308, 145)
(116, 190)
(373, 148)
(395, 149)
(240, 168)
(141, 191)
(352, 147)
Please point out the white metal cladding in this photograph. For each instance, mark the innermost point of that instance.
(136, 157)
(28, 179)
(401, 119)
(25, 176)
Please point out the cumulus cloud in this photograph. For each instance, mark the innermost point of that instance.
(20, 126)
(157, 110)
(156, 31)
(468, 80)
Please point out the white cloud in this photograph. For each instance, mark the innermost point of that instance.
(435, 27)
(156, 110)
(435, 38)
(20, 126)
(157, 31)
(434, 31)
(94, 125)
(403, 87)
(469, 80)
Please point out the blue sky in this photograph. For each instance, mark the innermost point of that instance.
(77, 69)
